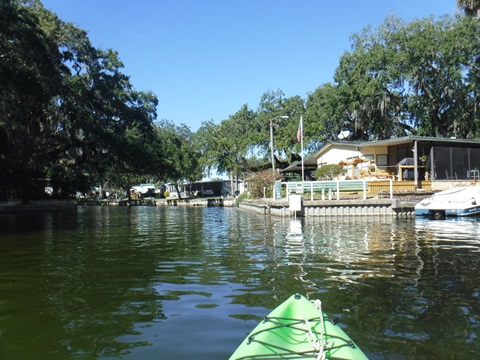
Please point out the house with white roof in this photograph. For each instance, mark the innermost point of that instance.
(410, 158)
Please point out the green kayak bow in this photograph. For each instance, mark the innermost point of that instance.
(298, 329)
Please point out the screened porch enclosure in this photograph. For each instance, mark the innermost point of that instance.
(454, 163)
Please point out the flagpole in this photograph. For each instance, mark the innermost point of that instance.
(301, 129)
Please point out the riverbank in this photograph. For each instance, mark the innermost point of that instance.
(398, 206)
(352, 207)
(14, 205)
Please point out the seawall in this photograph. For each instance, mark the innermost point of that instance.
(12, 206)
(330, 208)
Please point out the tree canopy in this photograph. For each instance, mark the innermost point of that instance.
(417, 78)
(70, 117)
(470, 7)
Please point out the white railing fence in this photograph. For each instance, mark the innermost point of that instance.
(331, 189)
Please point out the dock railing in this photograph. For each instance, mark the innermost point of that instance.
(334, 188)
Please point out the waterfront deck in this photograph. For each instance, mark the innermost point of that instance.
(352, 189)
(359, 198)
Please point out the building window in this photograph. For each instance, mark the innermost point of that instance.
(382, 160)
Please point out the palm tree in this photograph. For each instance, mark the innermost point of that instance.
(470, 7)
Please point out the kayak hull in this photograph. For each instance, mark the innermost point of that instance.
(298, 329)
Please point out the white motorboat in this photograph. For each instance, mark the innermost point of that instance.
(461, 201)
(144, 189)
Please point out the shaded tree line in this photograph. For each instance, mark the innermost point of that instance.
(70, 116)
(417, 78)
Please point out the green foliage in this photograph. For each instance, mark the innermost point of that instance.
(204, 141)
(233, 141)
(226, 146)
(260, 181)
(273, 106)
(242, 197)
(81, 122)
(416, 78)
(175, 148)
(329, 172)
(325, 113)
(470, 7)
(399, 79)
(31, 76)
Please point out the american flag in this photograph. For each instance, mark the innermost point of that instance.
(299, 131)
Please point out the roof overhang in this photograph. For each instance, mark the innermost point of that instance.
(312, 160)
(297, 167)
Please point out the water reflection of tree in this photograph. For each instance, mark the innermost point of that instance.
(91, 289)
(394, 284)
(104, 282)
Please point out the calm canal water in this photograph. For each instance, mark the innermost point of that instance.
(190, 283)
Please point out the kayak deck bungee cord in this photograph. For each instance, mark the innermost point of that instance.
(298, 329)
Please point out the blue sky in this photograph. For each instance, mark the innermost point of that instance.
(204, 59)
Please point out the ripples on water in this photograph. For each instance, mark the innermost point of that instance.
(176, 283)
